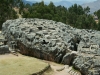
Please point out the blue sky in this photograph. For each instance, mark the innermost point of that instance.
(63, 0)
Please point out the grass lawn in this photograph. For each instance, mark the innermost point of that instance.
(20, 65)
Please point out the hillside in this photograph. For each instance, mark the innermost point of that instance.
(29, 2)
(64, 3)
(94, 6)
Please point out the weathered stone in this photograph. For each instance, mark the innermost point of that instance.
(68, 58)
(4, 49)
(51, 40)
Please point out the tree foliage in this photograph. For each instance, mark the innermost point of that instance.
(42, 11)
(7, 11)
(97, 13)
(76, 15)
(79, 17)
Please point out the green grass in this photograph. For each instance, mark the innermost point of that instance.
(20, 65)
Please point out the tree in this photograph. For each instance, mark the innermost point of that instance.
(97, 13)
(80, 10)
(87, 10)
(7, 11)
(98, 25)
(21, 7)
(27, 5)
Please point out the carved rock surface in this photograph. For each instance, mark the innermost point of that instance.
(55, 41)
(44, 39)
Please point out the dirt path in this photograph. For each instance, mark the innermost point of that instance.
(59, 69)
(17, 10)
(63, 70)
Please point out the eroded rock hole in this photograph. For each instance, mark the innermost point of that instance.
(40, 28)
(44, 42)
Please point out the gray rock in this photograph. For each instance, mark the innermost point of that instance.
(88, 65)
(39, 34)
(4, 49)
(51, 40)
(68, 58)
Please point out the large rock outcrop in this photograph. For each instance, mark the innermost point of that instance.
(55, 41)
(44, 39)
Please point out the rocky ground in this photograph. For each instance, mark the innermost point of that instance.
(55, 41)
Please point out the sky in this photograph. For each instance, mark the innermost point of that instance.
(63, 0)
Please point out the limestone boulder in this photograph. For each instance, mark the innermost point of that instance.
(45, 39)
(55, 41)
